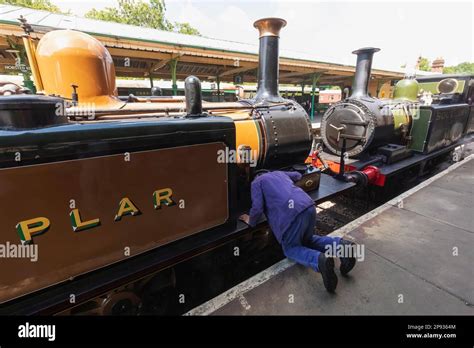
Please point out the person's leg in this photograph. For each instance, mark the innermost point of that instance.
(321, 242)
(302, 255)
(293, 248)
(314, 241)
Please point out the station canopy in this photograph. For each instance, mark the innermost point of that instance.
(145, 52)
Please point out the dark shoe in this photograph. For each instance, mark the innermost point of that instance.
(347, 263)
(326, 268)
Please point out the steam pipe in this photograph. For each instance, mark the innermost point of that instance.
(192, 91)
(269, 31)
(362, 73)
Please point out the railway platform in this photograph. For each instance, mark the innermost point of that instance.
(417, 260)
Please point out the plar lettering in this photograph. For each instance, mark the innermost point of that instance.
(27, 229)
(78, 224)
(126, 207)
(163, 197)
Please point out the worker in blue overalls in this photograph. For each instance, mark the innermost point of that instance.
(292, 217)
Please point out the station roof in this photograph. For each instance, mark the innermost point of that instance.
(150, 51)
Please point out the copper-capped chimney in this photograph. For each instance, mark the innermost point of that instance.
(362, 74)
(269, 31)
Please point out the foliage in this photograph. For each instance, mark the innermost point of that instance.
(465, 67)
(45, 5)
(145, 14)
(185, 28)
(424, 64)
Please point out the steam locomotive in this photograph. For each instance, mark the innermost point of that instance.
(389, 137)
(112, 191)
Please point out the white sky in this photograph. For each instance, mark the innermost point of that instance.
(331, 30)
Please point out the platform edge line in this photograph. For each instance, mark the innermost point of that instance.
(240, 289)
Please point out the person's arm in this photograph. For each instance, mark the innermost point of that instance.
(294, 176)
(257, 204)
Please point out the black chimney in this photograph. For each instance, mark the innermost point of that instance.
(269, 30)
(192, 91)
(362, 73)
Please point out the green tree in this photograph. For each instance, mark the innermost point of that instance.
(465, 67)
(185, 28)
(45, 5)
(424, 64)
(145, 14)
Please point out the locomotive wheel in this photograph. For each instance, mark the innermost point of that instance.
(121, 303)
